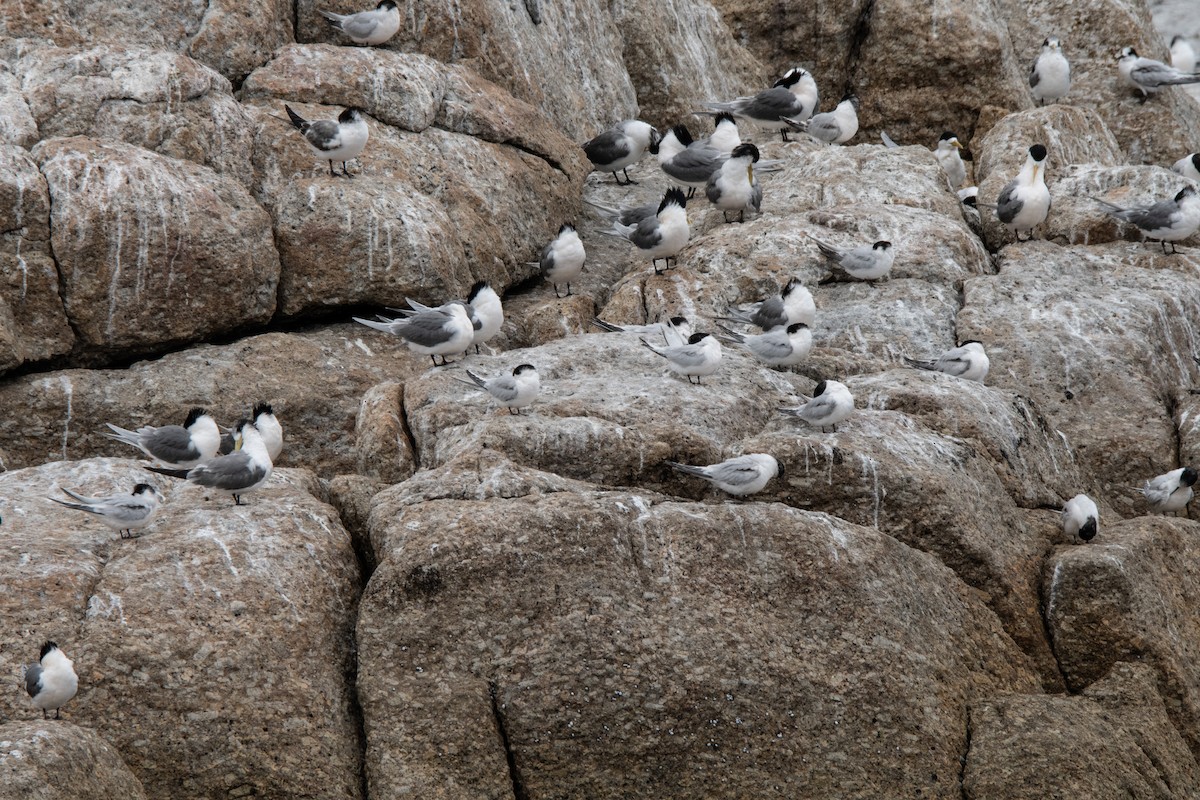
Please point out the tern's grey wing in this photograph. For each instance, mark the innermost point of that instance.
(1160, 215)
(736, 472)
(688, 355)
(818, 408)
(1034, 76)
(1008, 205)
(503, 388)
(126, 510)
(756, 197)
(953, 364)
(695, 164)
(1153, 73)
(770, 348)
(825, 127)
(172, 444)
(546, 259)
(362, 25)
(633, 216)
(232, 472)
(770, 312)
(82, 498)
(324, 134)
(858, 259)
(426, 330)
(33, 679)
(226, 446)
(772, 104)
(607, 147)
(647, 234)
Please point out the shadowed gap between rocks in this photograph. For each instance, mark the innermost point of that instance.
(962, 761)
(514, 774)
(862, 29)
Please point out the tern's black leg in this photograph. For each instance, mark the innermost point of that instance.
(628, 180)
(568, 290)
(237, 499)
(345, 171)
(691, 192)
(332, 174)
(556, 294)
(783, 133)
(45, 714)
(58, 713)
(741, 216)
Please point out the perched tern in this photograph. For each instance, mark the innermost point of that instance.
(562, 259)
(793, 304)
(661, 236)
(1080, 518)
(178, 446)
(685, 161)
(487, 313)
(333, 140)
(51, 682)
(242, 471)
(1183, 56)
(779, 347)
(625, 216)
(438, 332)
(121, 512)
(739, 476)
(832, 127)
(867, 262)
(263, 417)
(1171, 491)
(674, 331)
(513, 391)
(948, 155)
(725, 136)
(1165, 221)
(699, 357)
(733, 186)
(620, 147)
(794, 95)
(1024, 203)
(372, 27)
(967, 361)
(1188, 166)
(1050, 76)
(1147, 75)
(831, 403)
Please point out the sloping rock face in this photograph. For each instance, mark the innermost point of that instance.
(731, 662)
(56, 760)
(212, 650)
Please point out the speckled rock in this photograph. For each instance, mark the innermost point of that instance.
(1114, 740)
(17, 125)
(1056, 320)
(231, 37)
(381, 446)
(707, 647)
(431, 221)
(57, 760)
(189, 255)
(212, 651)
(1129, 596)
(157, 100)
(33, 324)
(315, 380)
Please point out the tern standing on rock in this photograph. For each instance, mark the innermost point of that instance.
(562, 259)
(372, 27)
(178, 446)
(733, 186)
(244, 470)
(794, 95)
(1149, 76)
(1050, 77)
(51, 682)
(661, 236)
(341, 140)
(620, 147)
(437, 332)
(514, 391)
(121, 512)
(1171, 491)
(739, 476)
(1165, 221)
(699, 357)
(1080, 518)
(831, 403)
(1024, 203)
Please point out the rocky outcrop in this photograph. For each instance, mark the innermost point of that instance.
(691, 642)
(315, 381)
(56, 760)
(186, 256)
(212, 651)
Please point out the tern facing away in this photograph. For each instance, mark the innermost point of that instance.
(51, 682)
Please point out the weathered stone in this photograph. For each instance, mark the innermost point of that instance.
(153, 99)
(56, 760)
(17, 125)
(655, 647)
(1130, 595)
(1056, 320)
(214, 648)
(231, 37)
(188, 255)
(315, 380)
(1157, 132)
(381, 445)
(33, 324)
(1116, 739)
(351, 495)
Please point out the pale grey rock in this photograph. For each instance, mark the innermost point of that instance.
(1127, 597)
(33, 323)
(694, 634)
(17, 125)
(57, 760)
(1057, 320)
(221, 630)
(315, 381)
(381, 444)
(154, 99)
(187, 255)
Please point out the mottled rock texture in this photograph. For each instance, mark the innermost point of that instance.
(58, 760)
